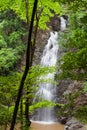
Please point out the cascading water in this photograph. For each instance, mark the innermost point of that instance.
(63, 24)
(47, 91)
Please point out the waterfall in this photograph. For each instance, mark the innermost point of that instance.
(47, 91)
(63, 24)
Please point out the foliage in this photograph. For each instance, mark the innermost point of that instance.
(85, 86)
(67, 109)
(8, 88)
(70, 108)
(74, 62)
(8, 94)
(7, 60)
(19, 6)
(3, 43)
(36, 76)
(81, 114)
(46, 14)
(43, 103)
(74, 5)
(38, 71)
(5, 114)
(11, 41)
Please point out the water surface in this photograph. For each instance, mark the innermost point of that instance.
(52, 126)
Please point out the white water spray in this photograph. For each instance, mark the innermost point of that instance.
(47, 91)
(63, 23)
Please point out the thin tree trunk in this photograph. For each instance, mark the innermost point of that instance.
(26, 68)
(38, 15)
(27, 98)
(27, 104)
(34, 41)
(21, 113)
(27, 12)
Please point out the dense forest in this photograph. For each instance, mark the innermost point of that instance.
(20, 21)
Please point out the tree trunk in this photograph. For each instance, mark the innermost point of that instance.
(26, 68)
(38, 15)
(27, 12)
(21, 113)
(27, 104)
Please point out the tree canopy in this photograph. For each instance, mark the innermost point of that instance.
(44, 7)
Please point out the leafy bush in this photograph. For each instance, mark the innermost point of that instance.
(74, 61)
(6, 114)
(3, 43)
(8, 93)
(7, 59)
(8, 88)
(11, 41)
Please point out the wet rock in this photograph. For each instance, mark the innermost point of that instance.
(63, 120)
(54, 23)
(42, 37)
(73, 124)
(76, 87)
(80, 100)
(61, 88)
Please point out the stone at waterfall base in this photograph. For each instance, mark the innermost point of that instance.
(73, 124)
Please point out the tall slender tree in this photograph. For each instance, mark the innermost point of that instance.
(26, 68)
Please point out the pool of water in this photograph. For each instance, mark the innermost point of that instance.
(46, 126)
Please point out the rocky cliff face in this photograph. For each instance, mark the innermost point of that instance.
(80, 100)
(42, 37)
